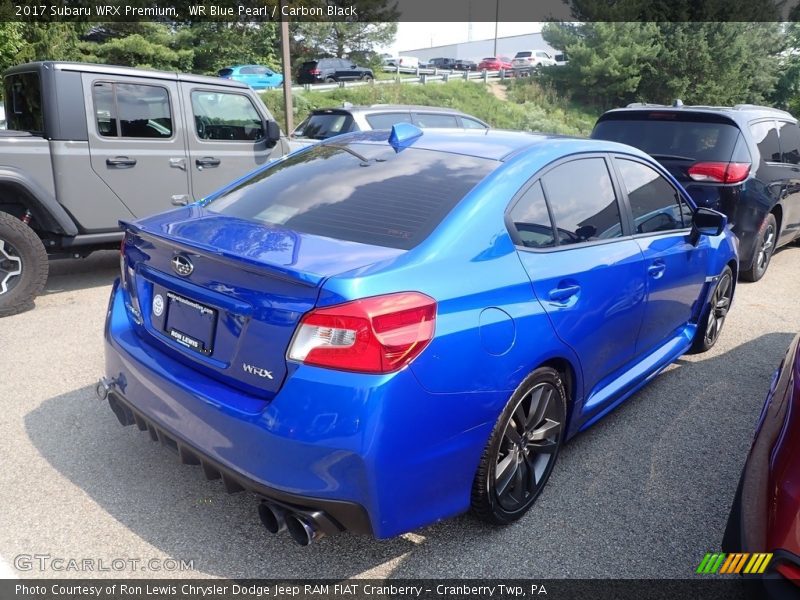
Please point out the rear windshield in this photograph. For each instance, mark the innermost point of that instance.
(309, 65)
(523, 54)
(360, 193)
(225, 72)
(23, 103)
(323, 126)
(671, 138)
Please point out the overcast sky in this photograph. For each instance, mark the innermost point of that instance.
(411, 36)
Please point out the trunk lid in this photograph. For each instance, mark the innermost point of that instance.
(224, 295)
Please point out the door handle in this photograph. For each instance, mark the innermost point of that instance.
(207, 161)
(562, 294)
(656, 270)
(178, 163)
(121, 161)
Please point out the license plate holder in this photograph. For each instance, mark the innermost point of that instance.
(190, 324)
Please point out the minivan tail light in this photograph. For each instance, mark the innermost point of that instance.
(381, 334)
(719, 172)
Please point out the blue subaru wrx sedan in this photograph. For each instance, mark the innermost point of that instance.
(387, 329)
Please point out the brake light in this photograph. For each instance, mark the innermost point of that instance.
(315, 71)
(790, 571)
(719, 172)
(374, 335)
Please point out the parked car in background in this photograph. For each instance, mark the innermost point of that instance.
(494, 63)
(256, 76)
(330, 70)
(742, 160)
(324, 123)
(290, 332)
(465, 65)
(404, 62)
(90, 145)
(526, 61)
(2, 116)
(765, 516)
(442, 63)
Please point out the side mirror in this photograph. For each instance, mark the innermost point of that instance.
(272, 132)
(707, 222)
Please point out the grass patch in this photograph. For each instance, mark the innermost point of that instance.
(530, 106)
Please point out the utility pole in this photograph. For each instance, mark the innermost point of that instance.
(287, 72)
(496, 23)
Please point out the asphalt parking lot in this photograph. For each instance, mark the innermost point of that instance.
(644, 494)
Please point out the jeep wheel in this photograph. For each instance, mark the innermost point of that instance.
(23, 266)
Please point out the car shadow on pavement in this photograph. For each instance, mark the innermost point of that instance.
(644, 493)
(69, 274)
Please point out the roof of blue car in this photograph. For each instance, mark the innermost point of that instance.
(493, 144)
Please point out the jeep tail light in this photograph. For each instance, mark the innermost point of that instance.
(374, 335)
(720, 172)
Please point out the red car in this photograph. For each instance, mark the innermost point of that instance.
(494, 63)
(765, 516)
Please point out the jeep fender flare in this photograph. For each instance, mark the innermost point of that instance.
(50, 215)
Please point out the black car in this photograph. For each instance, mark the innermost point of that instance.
(442, 63)
(465, 65)
(742, 160)
(330, 70)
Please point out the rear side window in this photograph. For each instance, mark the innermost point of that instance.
(766, 136)
(790, 143)
(436, 120)
(360, 193)
(325, 125)
(665, 136)
(23, 103)
(655, 204)
(132, 110)
(532, 220)
(225, 117)
(583, 202)
(386, 120)
(471, 123)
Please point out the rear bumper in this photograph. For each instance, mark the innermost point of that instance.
(376, 452)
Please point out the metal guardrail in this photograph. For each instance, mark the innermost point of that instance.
(422, 76)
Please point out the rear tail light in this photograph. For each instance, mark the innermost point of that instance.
(720, 172)
(374, 335)
(790, 571)
(315, 71)
(128, 283)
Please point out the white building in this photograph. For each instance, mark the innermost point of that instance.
(478, 49)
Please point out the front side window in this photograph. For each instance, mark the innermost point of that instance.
(766, 136)
(226, 117)
(132, 110)
(23, 103)
(655, 204)
(581, 196)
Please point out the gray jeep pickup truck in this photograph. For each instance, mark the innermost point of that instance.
(88, 145)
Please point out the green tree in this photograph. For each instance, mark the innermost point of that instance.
(11, 44)
(50, 41)
(218, 44)
(340, 39)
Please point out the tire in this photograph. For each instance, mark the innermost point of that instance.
(23, 266)
(330, 80)
(710, 325)
(367, 78)
(513, 470)
(765, 247)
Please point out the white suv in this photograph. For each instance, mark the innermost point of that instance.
(526, 60)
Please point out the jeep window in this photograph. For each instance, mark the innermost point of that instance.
(386, 120)
(226, 117)
(132, 110)
(655, 204)
(766, 136)
(790, 142)
(23, 97)
(359, 192)
(582, 198)
(671, 136)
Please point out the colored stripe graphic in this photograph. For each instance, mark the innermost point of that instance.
(735, 563)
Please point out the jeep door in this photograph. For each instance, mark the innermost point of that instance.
(137, 141)
(226, 136)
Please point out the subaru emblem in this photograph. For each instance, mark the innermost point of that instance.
(182, 265)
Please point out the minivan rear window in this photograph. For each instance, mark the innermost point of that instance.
(360, 192)
(672, 138)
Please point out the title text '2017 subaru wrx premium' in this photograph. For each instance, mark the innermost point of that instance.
(386, 329)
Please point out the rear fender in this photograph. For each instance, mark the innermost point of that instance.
(18, 188)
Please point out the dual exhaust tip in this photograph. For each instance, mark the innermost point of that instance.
(304, 527)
